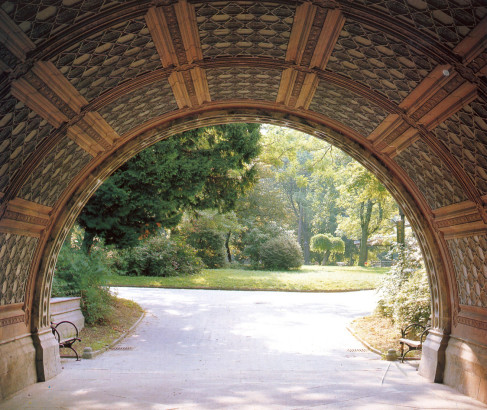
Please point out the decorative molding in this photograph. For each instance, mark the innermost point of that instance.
(303, 21)
(455, 101)
(159, 30)
(26, 218)
(175, 34)
(393, 135)
(13, 38)
(297, 88)
(176, 80)
(93, 134)
(459, 220)
(198, 75)
(7, 321)
(474, 44)
(328, 38)
(186, 17)
(46, 91)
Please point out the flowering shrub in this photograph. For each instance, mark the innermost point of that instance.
(404, 294)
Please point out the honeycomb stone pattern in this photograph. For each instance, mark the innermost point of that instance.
(139, 106)
(470, 260)
(42, 19)
(447, 21)
(53, 175)
(465, 135)
(257, 29)
(16, 253)
(381, 62)
(430, 175)
(348, 108)
(246, 83)
(103, 60)
(21, 131)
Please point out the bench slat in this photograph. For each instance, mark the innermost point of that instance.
(412, 343)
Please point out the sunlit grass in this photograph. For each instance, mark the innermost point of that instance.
(308, 278)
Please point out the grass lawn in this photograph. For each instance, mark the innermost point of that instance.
(124, 314)
(308, 278)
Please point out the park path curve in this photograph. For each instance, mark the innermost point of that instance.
(207, 349)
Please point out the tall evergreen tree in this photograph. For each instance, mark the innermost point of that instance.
(199, 169)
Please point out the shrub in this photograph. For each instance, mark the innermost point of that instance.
(404, 294)
(253, 240)
(160, 256)
(210, 247)
(80, 274)
(282, 252)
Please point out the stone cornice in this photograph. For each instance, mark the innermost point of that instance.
(26, 218)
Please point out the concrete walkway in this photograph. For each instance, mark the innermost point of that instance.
(201, 349)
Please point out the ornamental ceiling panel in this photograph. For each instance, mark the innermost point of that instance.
(16, 254)
(448, 21)
(465, 135)
(139, 106)
(257, 29)
(41, 19)
(432, 177)
(469, 257)
(347, 107)
(21, 131)
(54, 173)
(7, 58)
(109, 57)
(247, 83)
(380, 61)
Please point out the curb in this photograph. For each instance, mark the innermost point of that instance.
(372, 349)
(377, 351)
(116, 341)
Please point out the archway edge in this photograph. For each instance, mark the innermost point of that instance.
(71, 204)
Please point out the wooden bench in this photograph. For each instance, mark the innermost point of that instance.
(59, 329)
(420, 330)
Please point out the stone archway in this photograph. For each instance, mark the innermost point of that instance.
(400, 86)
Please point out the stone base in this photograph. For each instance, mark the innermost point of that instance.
(17, 365)
(67, 309)
(47, 362)
(432, 363)
(466, 368)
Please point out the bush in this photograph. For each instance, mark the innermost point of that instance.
(80, 274)
(210, 247)
(404, 294)
(253, 240)
(282, 252)
(159, 256)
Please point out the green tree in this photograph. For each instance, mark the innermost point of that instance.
(322, 243)
(199, 169)
(327, 244)
(368, 206)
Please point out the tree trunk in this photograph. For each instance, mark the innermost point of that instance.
(326, 255)
(401, 238)
(227, 246)
(365, 215)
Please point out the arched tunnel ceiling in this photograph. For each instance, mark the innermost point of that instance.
(404, 79)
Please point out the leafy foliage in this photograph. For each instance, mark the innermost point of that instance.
(404, 294)
(159, 256)
(79, 274)
(252, 241)
(199, 169)
(210, 247)
(282, 252)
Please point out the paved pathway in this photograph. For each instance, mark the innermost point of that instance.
(241, 350)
